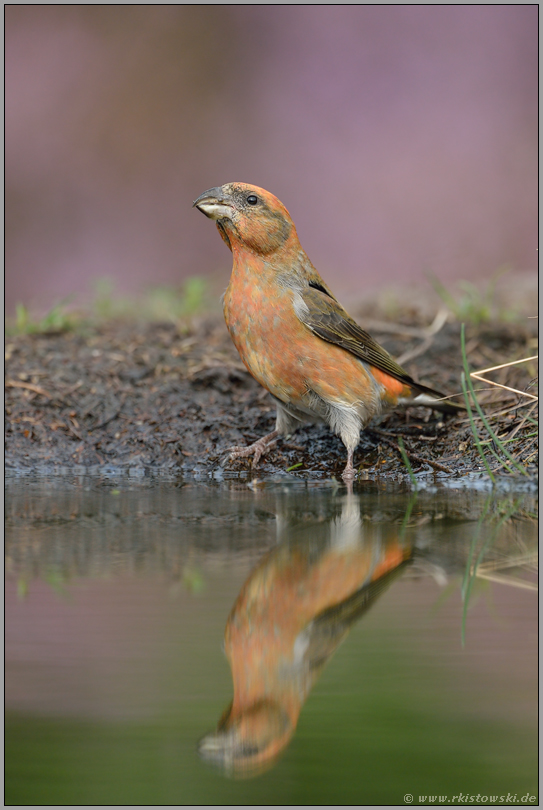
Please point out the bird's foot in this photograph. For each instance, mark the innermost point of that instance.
(257, 449)
(349, 473)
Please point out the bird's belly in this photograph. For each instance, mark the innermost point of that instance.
(293, 363)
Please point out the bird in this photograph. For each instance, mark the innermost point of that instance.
(291, 332)
(294, 610)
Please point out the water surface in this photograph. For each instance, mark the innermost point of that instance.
(382, 642)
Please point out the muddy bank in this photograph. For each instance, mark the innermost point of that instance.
(165, 397)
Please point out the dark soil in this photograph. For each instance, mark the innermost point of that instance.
(165, 397)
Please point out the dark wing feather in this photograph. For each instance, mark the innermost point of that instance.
(327, 319)
(328, 629)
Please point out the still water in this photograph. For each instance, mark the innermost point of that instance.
(280, 642)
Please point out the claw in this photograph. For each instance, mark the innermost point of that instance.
(349, 473)
(257, 449)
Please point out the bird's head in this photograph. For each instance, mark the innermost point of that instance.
(248, 741)
(247, 217)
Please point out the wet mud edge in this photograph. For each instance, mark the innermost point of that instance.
(174, 397)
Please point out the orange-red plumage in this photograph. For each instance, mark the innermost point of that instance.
(290, 332)
(291, 615)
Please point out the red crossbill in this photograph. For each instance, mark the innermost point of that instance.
(291, 615)
(290, 331)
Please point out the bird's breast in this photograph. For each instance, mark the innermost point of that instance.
(267, 334)
(285, 356)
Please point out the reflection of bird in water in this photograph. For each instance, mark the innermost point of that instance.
(290, 616)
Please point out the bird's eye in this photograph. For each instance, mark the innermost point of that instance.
(252, 200)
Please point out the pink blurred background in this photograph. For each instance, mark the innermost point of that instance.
(403, 139)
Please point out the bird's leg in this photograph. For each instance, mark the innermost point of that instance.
(349, 472)
(257, 449)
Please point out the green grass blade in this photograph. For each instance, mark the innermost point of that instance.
(474, 428)
(406, 461)
(484, 420)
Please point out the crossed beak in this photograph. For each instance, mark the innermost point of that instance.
(214, 203)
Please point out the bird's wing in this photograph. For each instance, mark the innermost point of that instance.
(327, 319)
(326, 631)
